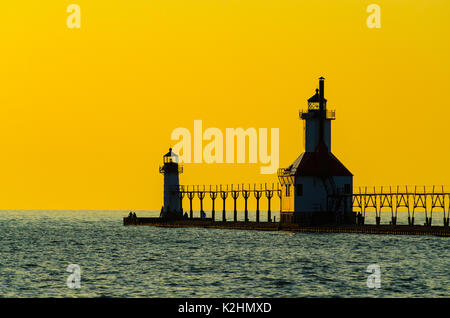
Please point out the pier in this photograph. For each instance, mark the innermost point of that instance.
(365, 201)
(277, 226)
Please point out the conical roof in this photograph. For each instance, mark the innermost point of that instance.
(316, 98)
(170, 153)
(318, 163)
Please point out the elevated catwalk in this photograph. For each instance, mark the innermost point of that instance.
(364, 200)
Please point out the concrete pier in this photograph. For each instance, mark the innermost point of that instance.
(276, 226)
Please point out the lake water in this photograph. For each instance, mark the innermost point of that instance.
(36, 248)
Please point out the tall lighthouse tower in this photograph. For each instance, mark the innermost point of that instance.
(171, 170)
(316, 187)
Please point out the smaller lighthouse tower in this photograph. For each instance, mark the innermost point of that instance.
(171, 170)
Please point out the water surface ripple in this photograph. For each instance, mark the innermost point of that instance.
(126, 261)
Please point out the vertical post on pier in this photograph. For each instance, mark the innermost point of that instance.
(181, 194)
(213, 196)
(190, 195)
(235, 195)
(258, 195)
(410, 221)
(361, 217)
(365, 205)
(269, 195)
(394, 218)
(431, 211)
(201, 196)
(223, 195)
(377, 211)
(245, 195)
(446, 221)
(279, 194)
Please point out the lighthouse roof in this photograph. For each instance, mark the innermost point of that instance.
(170, 153)
(318, 163)
(316, 98)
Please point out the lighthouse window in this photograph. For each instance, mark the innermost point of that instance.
(299, 190)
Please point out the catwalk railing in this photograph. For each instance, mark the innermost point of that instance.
(409, 199)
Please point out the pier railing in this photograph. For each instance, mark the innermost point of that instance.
(393, 199)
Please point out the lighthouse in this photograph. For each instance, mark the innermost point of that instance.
(171, 170)
(316, 187)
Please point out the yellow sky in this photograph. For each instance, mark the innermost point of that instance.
(86, 114)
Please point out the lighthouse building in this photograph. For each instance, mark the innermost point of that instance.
(171, 170)
(316, 187)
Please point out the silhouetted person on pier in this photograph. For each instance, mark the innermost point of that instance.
(130, 215)
(360, 218)
(134, 215)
